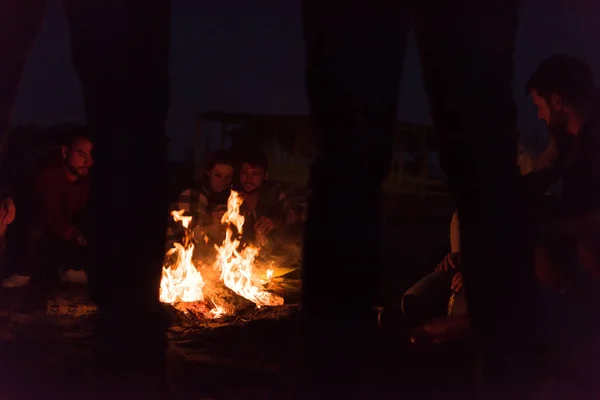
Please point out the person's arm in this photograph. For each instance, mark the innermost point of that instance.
(572, 226)
(585, 220)
(278, 211)
(455, 233)
(538, 182)
(47, 196)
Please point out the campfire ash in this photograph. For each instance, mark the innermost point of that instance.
(183, 286)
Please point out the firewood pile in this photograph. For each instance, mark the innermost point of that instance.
(237, 311)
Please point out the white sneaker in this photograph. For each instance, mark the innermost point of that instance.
(73, 276)
(15, 281)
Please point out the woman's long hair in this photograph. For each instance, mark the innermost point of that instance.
(214, 158)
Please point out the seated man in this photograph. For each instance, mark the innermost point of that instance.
(54, 228)
(562, 88)
(263, 205)
(429, 297)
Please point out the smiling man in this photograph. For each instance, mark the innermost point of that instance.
(263, 205)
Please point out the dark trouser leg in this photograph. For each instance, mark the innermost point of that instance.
(40, 261)
(354, 60)
(19, 23)
(76, 257)
(40, 252)
(120, 52)
(467, 58)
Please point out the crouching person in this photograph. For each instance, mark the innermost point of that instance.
(54, 240)
(430, 297)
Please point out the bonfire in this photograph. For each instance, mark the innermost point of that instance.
(182, 284)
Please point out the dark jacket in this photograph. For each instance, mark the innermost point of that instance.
(58, 202)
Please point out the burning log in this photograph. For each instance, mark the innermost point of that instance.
(226, 300)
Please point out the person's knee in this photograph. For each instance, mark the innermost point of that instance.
(410, 305)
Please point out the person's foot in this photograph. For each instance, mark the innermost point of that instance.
(15, 281)
(73, 276)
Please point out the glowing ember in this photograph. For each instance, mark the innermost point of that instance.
(182, 282)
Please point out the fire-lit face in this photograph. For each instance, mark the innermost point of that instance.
(78, 157)
(252, 177)
(220, 177)
(550, 110)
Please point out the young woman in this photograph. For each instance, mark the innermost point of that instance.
(207, 200)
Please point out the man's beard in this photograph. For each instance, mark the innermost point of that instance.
(74, 170)
(558, 122)
(557, 129)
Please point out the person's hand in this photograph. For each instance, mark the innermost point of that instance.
(451, 261)
(217, 216)
(7, 211)
(7, 214)
(457, 282)
(263, 226)
(260, 239)
(291, 217)
(74, 235)
(81, 240)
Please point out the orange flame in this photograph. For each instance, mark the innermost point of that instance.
(237, 266)
(182, 282)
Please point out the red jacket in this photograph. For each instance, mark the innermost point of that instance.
(58, 200)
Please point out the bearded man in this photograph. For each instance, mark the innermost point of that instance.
(562, 88)
(56, 239)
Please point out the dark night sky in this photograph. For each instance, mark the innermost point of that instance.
(240, 57)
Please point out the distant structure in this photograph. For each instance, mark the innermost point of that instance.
(291, 146)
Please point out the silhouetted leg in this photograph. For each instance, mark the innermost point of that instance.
(467, 57)
(20, 21)
(354, 61)
(120, 52)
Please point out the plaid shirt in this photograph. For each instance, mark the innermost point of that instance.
(198, 203)
(194, 202)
